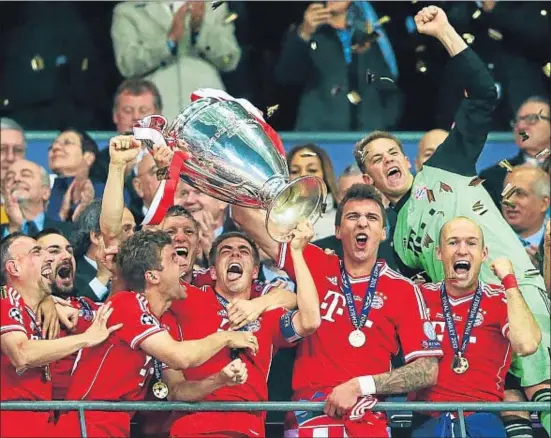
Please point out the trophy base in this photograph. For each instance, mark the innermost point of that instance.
(300, 199)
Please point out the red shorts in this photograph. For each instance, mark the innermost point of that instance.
(98, 424)
(223, 424)
(25, 424)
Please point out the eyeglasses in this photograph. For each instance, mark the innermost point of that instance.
(530, 119)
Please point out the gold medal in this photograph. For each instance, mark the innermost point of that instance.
(460, 364)
(160, 389)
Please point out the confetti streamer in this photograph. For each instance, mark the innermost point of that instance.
(532, 273)
(495, 34)
(231, 18)
(477, 206)
(430, 195)
(508, 191)
(354, 97)
(508, 203)
(445, 188)
(506, 165)
(477, 14)
(271, 110)
(476, 181)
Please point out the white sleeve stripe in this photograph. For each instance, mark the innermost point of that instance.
(150, 331)
(421, 303)
(282, 255)
(427, 353)
(505, 330)
(13, 328)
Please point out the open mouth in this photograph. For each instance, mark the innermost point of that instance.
(235, 271)
(182, 251)
(461, 267)
(65, 272)
(393, 174)
(46, 271)
(361, 240)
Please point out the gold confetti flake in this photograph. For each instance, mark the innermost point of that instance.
(383, 20)
(313, 45)
(508, 191)
(508, 204)
(445, 188)
(477, 206)
(543, 154)
(547, 69)
(427, 240)
(477, 14)
(231, 18)
(495, 34)
(468, 37)
(483, 212)
(421, 67)
(354, 97)
(271, 110)
(476, 181)
(430, 195)
(506, 165)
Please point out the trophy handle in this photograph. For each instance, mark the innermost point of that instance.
(300, 199)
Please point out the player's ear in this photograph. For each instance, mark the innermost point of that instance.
(152, 277)
(438, 253)
(367, 179)
(383, 234)
(338, 232)
(256, 270)
(12, 268)
(485, 254)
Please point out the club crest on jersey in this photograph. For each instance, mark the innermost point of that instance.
(148, 319)
(378, 300)
(222, 313)
(253, 326)
(420, 193)
(429, 331)
(479, 318)
(15, 314)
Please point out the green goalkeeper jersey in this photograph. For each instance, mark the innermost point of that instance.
(439, 195)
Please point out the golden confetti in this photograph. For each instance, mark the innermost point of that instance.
(383, 20)
(506, 165)
(476, 181)
(532, 273)
(445, 188)
(271, 110)
(231, 18)
(508, 191)
(313, 45)
(477, 206)
(495, 34)
(508, 204)
(468, 37)
(430, 195)
(543, 153)
(547, 69)
(427, 241)
(354, 97)
(216, 4)
(477, 14)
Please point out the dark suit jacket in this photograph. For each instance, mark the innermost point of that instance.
(65, 228)
(84, 274)
(495, 175)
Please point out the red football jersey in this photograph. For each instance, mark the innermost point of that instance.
(326, 359)
(200, 315)
(488, 350)
(117, 369)
(62, 369)
(15, 315)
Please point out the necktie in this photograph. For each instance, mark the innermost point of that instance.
(30, 229)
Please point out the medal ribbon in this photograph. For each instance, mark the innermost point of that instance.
(38, 333)
(368, 298)
(450, 324)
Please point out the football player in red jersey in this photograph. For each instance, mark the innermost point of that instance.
(235, 261)
(26, 356)
(366, 307)
(478, 325)
(122, 368)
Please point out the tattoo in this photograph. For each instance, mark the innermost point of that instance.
(421, 373)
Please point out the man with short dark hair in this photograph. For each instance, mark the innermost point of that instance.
(367, 310)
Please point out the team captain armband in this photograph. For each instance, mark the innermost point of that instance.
(287, 328)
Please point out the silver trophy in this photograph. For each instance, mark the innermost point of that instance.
(232, 158)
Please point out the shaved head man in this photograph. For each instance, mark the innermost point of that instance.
(428, 144)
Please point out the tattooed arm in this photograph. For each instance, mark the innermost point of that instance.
(419, 374)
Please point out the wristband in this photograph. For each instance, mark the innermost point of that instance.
(509, 282)
(367, 385)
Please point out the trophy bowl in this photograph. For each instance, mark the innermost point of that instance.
(233, 159)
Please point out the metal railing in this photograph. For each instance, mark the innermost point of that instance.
(82, 406)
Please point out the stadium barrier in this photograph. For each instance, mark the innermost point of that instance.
(82, 406)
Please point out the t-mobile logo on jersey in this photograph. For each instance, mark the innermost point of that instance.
(335, 303)
(440, 328)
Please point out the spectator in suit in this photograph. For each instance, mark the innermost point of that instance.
(70, 158)
(26, 192)
(326, 60)
(532, 119)
(179, 46)
(145, 184)
(12, 148)
(92, 278)
(311, 160)
(529, 204)
(428, 145)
